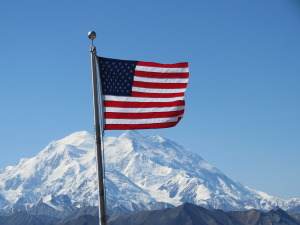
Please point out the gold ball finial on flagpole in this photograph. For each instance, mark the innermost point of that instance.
(92, 35)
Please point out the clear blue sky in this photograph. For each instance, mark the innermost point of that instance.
(242, 102)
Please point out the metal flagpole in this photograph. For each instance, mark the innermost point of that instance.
(100, 169)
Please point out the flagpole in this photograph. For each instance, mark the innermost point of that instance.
(100, 169)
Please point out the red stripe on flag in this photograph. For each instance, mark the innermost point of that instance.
(139, 126)
(159, 85)
(111, 115)
(152, 64)
(142, 104)
(160, 75)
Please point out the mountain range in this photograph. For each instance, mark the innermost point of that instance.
(185, 214)
(189, 214)
(142, 173)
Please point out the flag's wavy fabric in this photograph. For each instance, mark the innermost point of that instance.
(142, 95)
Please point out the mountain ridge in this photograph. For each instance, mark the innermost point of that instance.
(142, 173)
(185, 214)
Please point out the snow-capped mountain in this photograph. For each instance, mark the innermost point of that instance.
(141, 173)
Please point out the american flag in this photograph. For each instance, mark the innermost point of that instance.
(142, 95)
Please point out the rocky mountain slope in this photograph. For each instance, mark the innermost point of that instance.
(188, 214)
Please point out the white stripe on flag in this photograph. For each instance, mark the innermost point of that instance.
(138, 99)
(141, 121)
(162, 70)
(143, 110)
(157, 90)
(157, 80)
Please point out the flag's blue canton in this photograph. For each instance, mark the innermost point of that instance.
(116, 76)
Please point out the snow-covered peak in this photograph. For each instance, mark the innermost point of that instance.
(77, 139)
(159, 139)
(140, 171)
(132, 134)
(135, 138)
(74, 145)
